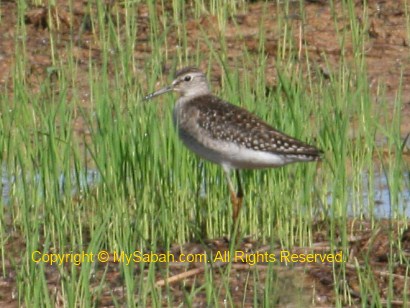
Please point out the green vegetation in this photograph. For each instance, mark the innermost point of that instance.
(149, 192)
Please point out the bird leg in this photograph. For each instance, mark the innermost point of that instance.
(236, 198)
(237, 205)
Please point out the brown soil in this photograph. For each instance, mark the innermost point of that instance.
(372, 257)
(387, 58)
(386, 49)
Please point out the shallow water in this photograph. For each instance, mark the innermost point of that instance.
(85, 180)
(382, 198)
(376, 199)
(383, 206)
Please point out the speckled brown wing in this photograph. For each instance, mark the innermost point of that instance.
(226, 122)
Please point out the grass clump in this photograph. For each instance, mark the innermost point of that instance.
(89, 166)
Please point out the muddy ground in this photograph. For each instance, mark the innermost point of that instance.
(386, 47)
(387, 55)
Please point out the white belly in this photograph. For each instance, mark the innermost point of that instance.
(234, 156)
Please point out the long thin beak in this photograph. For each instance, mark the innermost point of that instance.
(159, 92)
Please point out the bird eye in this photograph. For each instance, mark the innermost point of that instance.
(187, 78)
